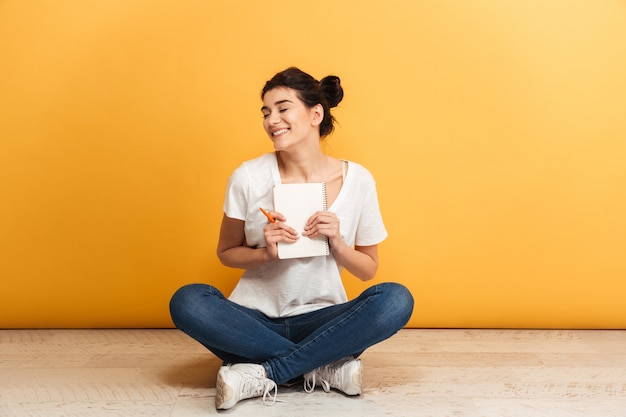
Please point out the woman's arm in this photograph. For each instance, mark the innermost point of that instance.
(232, 249)
(360, 261)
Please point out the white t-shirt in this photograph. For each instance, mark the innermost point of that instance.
(288, 287)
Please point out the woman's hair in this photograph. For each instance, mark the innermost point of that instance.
(327, 92)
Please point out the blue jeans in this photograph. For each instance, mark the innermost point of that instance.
(289, 347)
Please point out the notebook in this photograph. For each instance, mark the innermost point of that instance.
(298, 202)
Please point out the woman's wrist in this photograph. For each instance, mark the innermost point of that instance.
(339, 248)
(268, 255)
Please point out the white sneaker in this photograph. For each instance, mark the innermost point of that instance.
(344, 375)
(241, 381)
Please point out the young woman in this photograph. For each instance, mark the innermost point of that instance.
(290, 318)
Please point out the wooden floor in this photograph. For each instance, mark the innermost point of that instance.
(498, 373)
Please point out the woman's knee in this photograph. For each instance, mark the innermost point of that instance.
(398, 301)
(186, 299)
(181, 296)
(399, 292)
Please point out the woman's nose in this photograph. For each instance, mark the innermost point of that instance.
(274, 118)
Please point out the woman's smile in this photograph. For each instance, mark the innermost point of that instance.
(279, 132)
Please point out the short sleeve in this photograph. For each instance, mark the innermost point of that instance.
(371, 229)
(236, 202)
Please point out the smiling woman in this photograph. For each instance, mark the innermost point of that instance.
(326, 94)
(291, 318)
(288, 121)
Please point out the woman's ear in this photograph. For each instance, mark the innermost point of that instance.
(317, 113)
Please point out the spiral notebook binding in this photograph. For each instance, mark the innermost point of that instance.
(325, 205)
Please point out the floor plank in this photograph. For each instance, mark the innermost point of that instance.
(418, 372)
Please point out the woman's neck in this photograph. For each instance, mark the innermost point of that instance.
(309, 167)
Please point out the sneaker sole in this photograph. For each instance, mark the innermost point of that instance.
(223, 393)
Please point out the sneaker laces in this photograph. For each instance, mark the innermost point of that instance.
(309, 382)
(328, 375)
(269, 385)
(253, 386)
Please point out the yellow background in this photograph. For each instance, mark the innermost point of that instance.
(496, 131)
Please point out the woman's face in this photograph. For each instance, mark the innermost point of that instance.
(287, 120)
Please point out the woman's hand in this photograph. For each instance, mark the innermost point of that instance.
(324, 223)
(278, 232)
(361, 261)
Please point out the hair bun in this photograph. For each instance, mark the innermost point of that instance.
(332, 90)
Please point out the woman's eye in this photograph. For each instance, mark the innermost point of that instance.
(266, 115)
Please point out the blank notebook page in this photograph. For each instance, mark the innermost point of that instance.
(298, 202)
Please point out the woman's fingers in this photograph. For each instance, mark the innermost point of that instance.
(323, 223)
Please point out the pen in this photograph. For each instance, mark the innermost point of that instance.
(269, 216)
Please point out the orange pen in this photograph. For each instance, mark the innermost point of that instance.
(269, 216)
